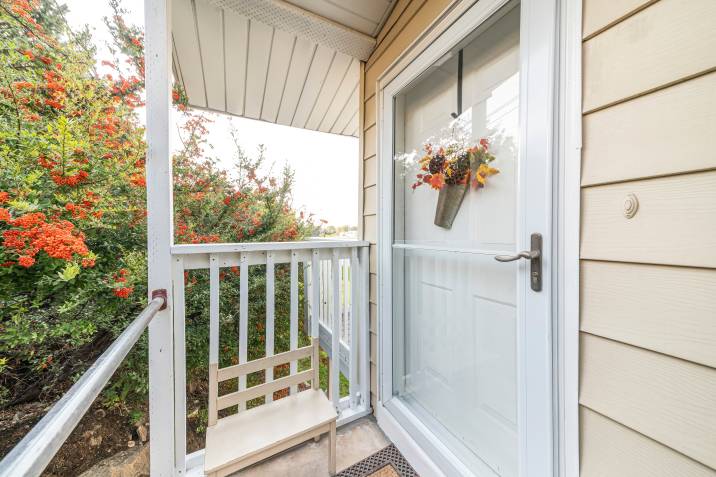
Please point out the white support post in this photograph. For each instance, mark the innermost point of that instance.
(355, 297)
(336, 331)
(293, 325)
(365, 326)
(243, 319)
(270, 316)
(167, 454)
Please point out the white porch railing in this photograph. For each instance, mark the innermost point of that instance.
(336, 297)
(326, 307)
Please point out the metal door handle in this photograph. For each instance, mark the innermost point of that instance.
(534, 255)
(529, 255)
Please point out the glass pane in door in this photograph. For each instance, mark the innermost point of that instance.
(454, 320)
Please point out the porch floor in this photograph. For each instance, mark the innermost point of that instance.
(355, 442)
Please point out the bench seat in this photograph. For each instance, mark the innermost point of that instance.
(245, 438)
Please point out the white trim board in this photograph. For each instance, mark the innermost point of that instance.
(408, 447)
(566, 233)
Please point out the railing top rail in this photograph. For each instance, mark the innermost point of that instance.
(32, 454)
(264, 246)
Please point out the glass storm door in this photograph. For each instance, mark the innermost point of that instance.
(461, 353)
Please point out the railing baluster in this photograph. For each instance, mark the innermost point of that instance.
(306, 302)
(329, 299)
(355, 287)
(243, 318)
(336, 331)
(213, 335)
(324, 294)
(364, 339)
(294, 313)
(315, 293)
(270, 312)
(178, 315)
(344, 300)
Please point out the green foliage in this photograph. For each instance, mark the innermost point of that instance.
(73, 213)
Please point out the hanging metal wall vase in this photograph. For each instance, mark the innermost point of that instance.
(450, 199)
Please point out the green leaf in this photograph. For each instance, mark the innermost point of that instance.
(70, 272)
(22, 205)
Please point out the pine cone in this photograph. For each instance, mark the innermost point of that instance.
(459, 169)
(436, 164)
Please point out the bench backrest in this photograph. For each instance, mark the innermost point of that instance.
(218, 375)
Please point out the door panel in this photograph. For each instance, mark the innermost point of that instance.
(466, 360)
(455, 307)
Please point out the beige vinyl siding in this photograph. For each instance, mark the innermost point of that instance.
(406, 22)
(670, 310)
(615, 450)
(664, 44)
(675, 223)
(648, 284)
(598, 15)
(670, 400)
(620, 138)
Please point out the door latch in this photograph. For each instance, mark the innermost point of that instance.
(534, 255)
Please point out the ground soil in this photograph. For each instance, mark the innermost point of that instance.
(100, 434)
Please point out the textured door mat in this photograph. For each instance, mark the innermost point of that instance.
(388, 462)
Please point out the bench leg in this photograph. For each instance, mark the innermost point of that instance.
(332, 450)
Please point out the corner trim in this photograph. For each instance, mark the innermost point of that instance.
(567, 230)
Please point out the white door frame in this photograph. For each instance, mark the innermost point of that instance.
(549, 398)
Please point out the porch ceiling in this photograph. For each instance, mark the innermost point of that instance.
(292, 62)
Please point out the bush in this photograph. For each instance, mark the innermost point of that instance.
(73, 214)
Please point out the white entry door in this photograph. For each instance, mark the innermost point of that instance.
(466, 363)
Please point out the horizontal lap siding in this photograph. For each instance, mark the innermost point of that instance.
(615, 450)
(598, 15)
(407, 21)
(664, 44)
(674, 225)
(618, 140)
(648, 283)
(670, 310)
(670, 400)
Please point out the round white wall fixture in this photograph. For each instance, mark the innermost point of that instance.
(631, 205)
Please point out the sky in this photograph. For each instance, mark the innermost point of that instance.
(325, 165)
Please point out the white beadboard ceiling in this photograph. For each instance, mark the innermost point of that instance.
(290, 62)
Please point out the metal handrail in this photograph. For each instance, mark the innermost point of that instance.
(35, 451)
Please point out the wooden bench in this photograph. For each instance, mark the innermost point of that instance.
(250, 436)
